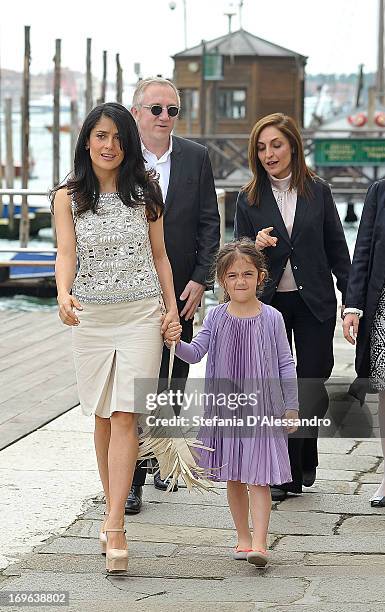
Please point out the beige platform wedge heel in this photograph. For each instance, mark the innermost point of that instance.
(116, 558)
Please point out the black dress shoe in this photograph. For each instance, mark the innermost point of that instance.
(134, 500)
(308, 477)
(378, 502)
(163, 484)
(278, 494)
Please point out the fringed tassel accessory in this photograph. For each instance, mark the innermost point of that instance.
(176, 455)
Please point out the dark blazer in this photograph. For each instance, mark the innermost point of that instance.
(367, 276)
(317, 247)
(191, 218)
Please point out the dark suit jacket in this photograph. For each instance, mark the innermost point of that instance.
(317, 247)
(367, 276)
(191, 218)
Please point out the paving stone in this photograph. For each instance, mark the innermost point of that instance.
(178, 514)
(356, 559)
(372, 447)
(325, 571)
(182, 496)
(84, 587)
(335, 445)
(335, 504)
(81, 587)
(326, 607)
(380, 469)
(148, 606)
(367, 490)
(355, 463)
(348, 475)
(370, 478)
(152, 532)
(67, 563)
(333, 544)
(85, 546)
(342, 487)
(311, 523)
(360, 590)
(177, 567)
(235, 589)
(363, 524)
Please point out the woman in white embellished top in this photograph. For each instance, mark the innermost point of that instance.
(111, 272)
(291, 215)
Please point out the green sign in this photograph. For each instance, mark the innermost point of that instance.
(349, 152)
(212, 67)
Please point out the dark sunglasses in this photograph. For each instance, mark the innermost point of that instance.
(156, 109)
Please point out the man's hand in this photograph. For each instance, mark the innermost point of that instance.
(350, 321)
(291, 415)
(193, 293)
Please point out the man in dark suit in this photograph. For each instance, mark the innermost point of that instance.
(191, 220)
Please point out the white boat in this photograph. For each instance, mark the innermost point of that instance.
(45, 103)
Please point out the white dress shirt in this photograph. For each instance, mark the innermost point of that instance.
(286, 199)
(161, 166)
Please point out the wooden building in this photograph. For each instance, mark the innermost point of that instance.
(245, 78)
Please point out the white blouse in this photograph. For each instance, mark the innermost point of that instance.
(287, 202)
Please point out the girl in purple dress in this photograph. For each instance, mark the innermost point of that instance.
(249, 362)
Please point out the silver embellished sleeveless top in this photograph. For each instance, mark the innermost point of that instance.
(115, 262)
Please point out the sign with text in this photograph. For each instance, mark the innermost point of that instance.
(349, 151)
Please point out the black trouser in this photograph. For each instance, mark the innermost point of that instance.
(179, 377)
(313, 342)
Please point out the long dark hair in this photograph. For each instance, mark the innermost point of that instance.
(135, 185)
(300, 173)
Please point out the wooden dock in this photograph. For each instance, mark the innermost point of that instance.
(37, 376)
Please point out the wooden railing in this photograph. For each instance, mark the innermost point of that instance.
(229, 159)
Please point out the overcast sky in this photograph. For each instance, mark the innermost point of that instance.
(336, 35)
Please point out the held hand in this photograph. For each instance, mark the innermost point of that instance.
(67, 304)
(350, 321)
(170, 317)
(291, 414)
(193, 293)
(172, 333)
(264, 239)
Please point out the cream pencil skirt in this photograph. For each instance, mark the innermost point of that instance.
(113, 345)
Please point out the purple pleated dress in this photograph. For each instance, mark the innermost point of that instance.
(249, 356)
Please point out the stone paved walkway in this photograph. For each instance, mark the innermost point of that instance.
(327, 546)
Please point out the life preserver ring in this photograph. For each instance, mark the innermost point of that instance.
(379, 119)
(358, 120)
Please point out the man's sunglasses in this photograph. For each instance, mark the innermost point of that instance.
(156, 109)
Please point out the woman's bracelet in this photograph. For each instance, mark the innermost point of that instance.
(356, 311)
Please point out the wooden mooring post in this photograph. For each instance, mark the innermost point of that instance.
(103, 87)
(1, 159)
(9, 161)
(56, 125)
(56, 115)
(24, 218)
(74, 129)
(89, 102)
(119, 80)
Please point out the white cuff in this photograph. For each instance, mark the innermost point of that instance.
(356, 311)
